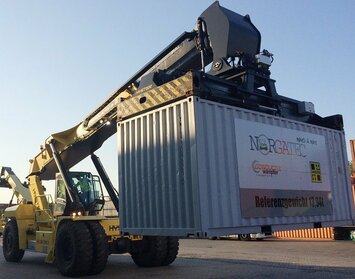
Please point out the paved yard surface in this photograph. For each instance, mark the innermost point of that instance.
(271, 258)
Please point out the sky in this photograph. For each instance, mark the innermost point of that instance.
(60, 59)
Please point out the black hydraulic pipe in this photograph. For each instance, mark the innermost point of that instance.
(201, 42)
(106, 181)
(12, 198)
(62, 171)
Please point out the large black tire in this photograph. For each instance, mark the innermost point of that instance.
(172, 250)
(244, 237)
(149, 252)
(10, 243)
(100, 247)
(73, 249)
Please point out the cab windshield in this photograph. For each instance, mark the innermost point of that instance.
(89, 190)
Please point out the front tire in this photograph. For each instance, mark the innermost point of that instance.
(11, 250)
(73, 249)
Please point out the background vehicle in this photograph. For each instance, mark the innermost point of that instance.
(243, 237)
(250, 236)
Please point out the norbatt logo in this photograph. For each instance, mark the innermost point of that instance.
(266, 145)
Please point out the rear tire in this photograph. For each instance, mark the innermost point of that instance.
(10, 243)
(73, 249)
(100, 247)
(172, 250)
(244, 237)
(149, 252)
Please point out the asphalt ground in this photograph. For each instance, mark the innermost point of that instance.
(270, 258)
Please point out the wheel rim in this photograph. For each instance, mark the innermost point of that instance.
(244, 236)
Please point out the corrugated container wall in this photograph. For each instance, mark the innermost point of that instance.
(184, 169)
(157, 172)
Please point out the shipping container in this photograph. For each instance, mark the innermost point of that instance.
(204, 168)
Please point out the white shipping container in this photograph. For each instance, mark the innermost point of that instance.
(209, 169)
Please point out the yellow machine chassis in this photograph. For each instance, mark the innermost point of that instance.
(40, 235)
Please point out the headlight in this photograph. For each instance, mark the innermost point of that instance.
(76, 214)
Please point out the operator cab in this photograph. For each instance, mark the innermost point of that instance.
(85, 187)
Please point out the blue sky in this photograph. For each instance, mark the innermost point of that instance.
(60, 59)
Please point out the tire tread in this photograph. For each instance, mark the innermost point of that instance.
(100, 247)
(83, 255)
(150, 252)
(16, 254)
(172, 250)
